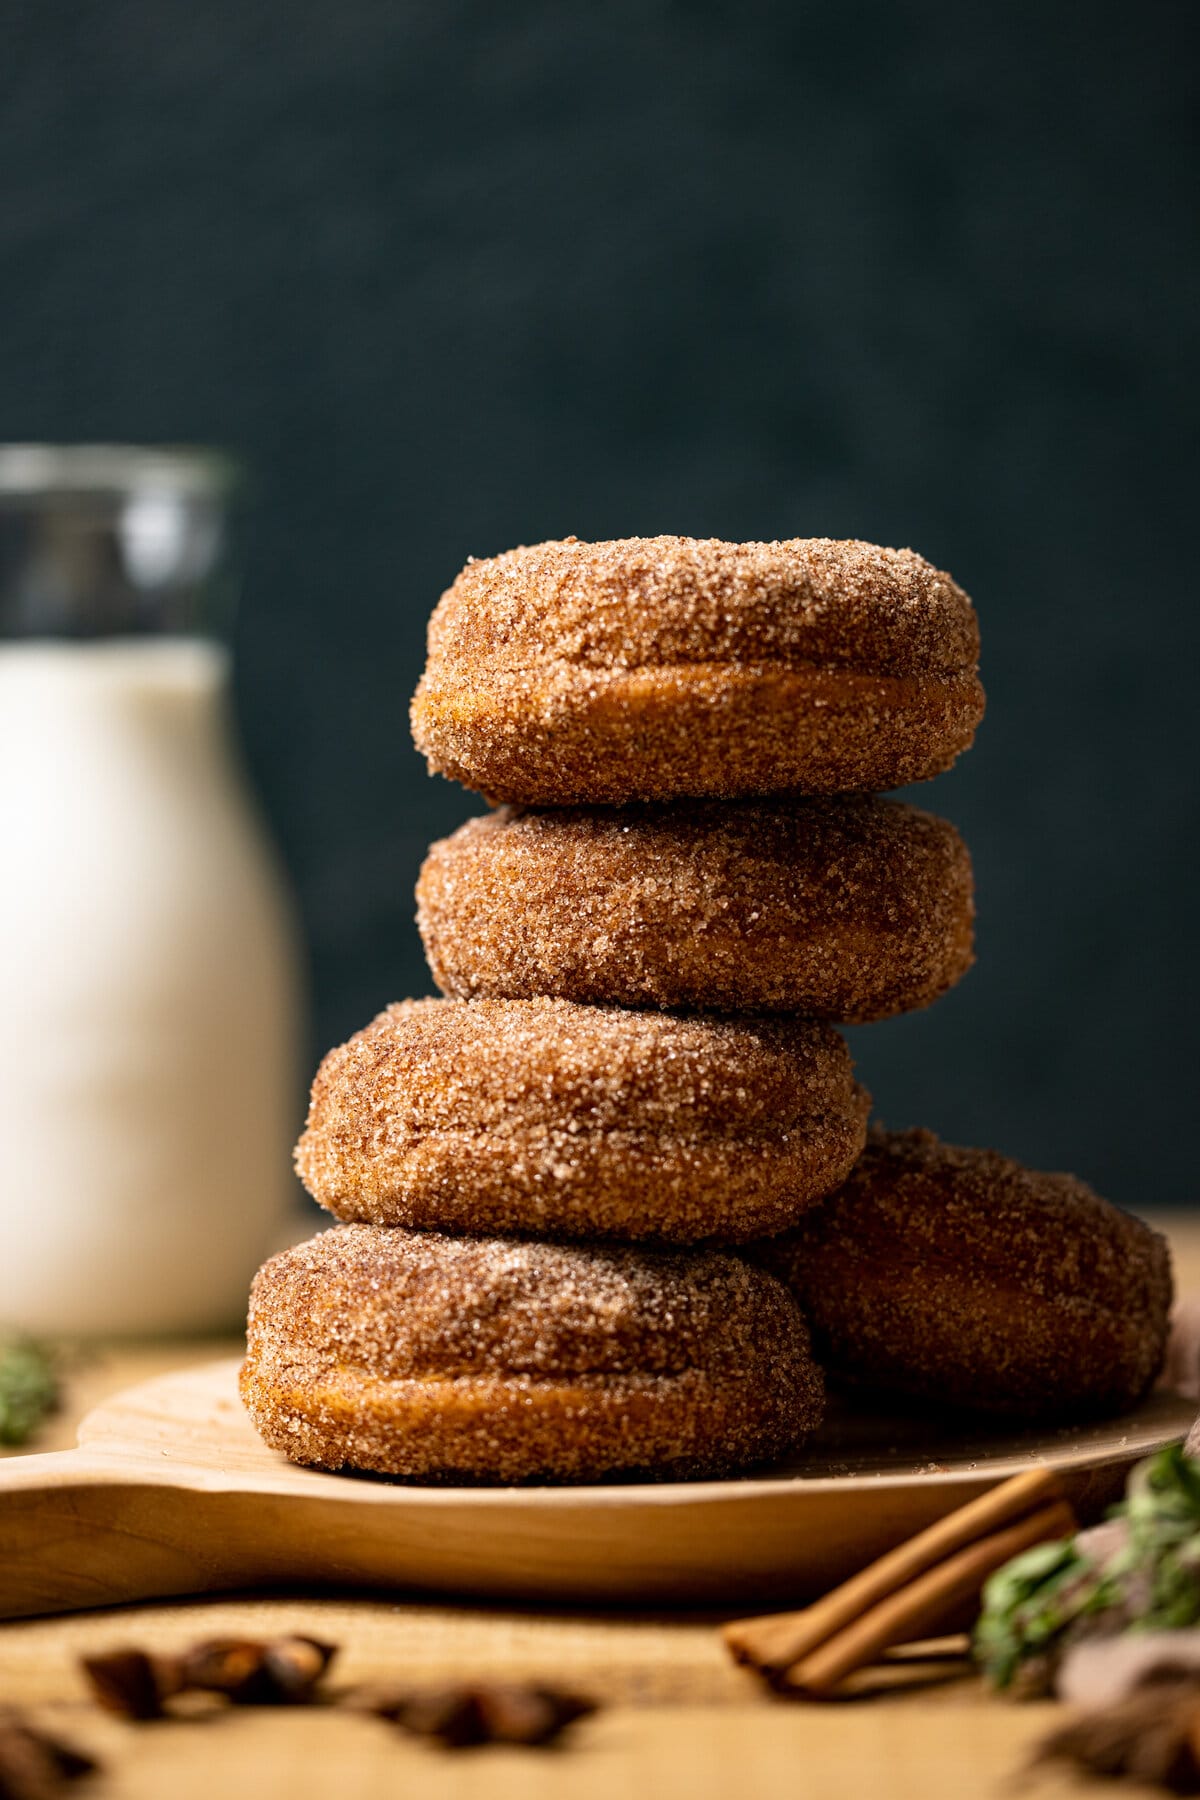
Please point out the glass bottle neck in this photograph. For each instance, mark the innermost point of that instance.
(103, 542)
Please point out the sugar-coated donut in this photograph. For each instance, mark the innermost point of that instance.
(504, 1360)
(543, 1116)
(963, 1278)
(847, 909)
(649, 668)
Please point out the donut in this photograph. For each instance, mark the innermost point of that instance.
(961, 1277)
(652, 668)
(848, 909)
(579, 1121)
(495, 1359)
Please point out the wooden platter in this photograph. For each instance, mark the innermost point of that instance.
(170, 1492)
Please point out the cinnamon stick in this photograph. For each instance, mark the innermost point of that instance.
(918, 1607)
(776, 1642)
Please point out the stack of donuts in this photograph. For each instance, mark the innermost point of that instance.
(611, 1206)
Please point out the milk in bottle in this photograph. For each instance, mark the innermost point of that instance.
(149, 1007)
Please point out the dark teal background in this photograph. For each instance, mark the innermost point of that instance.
(457, 275)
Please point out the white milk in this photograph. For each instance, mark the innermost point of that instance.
(148, 995)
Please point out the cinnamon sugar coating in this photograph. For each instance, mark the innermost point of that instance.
(848, 909)
(506, 1360)
(543, 1116)
(649, 668)
(961, 1277)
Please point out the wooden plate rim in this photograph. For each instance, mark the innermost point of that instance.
(1171, 1416)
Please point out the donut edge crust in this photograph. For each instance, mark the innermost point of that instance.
(562, 737)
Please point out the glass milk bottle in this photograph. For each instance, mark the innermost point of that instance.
(149, 996)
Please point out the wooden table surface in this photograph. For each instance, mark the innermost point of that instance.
(677, 1719)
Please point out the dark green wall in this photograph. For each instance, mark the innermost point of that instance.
(454, 275)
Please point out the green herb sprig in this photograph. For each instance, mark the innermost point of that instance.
(28, 1388)
(1143, 1576)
